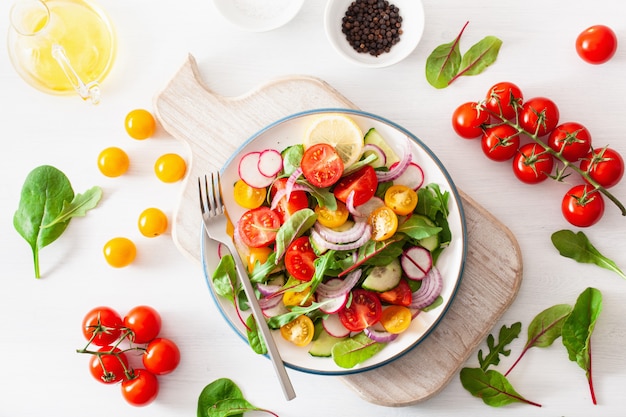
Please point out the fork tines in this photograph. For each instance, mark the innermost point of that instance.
(212, 202)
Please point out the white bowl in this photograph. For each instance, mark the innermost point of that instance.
(412, 13)
(258, 15)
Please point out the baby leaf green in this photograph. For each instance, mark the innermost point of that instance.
(354, 350)
(255, 338)
(223, 398)
(578, 328)
(78, 207)
(443, 63)
(505, 337)
(492, 387)
(578, 247)
(479, 57)
(44, 194)
(294, 227)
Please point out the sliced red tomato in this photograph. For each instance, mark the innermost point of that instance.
(257, 227)
(298, 200)
(362, 311)
(300, 258)
(321, 165)
(401, 295)
(363, 182)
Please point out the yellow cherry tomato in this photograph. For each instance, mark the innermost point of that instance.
(247, 196)
(257, 255)
(299, 331)
(384, 223)
(120, 252)
(297, 298)
(396, 319)
(140, 124)
(152, 222)
(332, 218)
(401, 199)
(113, 162)
(170, 167)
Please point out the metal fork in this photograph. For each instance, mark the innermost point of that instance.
(214, 219)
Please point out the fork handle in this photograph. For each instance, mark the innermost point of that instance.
(274, 355)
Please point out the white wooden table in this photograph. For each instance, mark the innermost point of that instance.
(40, 319)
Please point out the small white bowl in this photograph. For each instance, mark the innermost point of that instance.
(412, 13)
(258, 15)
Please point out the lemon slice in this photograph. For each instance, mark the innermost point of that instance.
(341, 132)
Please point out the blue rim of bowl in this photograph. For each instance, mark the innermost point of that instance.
(453, 190)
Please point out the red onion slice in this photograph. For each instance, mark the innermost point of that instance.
(379, 336)
(397, 170)
(333, 236)
(432, 284)
(339, 287)
(320, 241)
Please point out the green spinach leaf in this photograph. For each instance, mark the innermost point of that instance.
(294, 227)
(578, 328)
(479, 56)
(443, 62)
(492, 387)
(255, 338)
(222, 398)
(354, 350)
(578, 247)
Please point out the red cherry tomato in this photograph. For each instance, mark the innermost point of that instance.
(144, 322)
(258, 227)
(103, 324)
(363, 182)
(468, 120)
(532, 164)
(572, 139)
(362, 311)
(539, 116)
(300, 258)
(109, 368)
(161, 357)
(596, 44)
(499, 143)
(582, 206)
(298, 200)
(142, 389)
(401, 295)
(504, 99)
(321, 165)
(605, 166)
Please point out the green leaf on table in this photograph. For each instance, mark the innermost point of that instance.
(578, 328)
(223, 398)
(443, 62)
(78, 207)
(578, 247)
(544, 329)
(480, 56)
(354, 350)
(491, 386)
(505, 337)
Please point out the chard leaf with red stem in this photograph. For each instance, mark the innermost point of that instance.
(492, 387)
(479, 57)
(444, 61)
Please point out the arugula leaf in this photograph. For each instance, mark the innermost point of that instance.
(578, 328)
(492, 387)
(544, 329)
(354, 350)
(78, 207)
(578, 247)
(371, 249)
(443, 62)
(505, 337)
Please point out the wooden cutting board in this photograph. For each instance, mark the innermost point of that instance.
(213, 127)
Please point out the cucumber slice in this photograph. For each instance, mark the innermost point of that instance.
(431, 242)
(383, 278)
(322, 347)
(372, 136)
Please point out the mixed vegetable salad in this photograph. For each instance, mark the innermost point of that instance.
(341, 236)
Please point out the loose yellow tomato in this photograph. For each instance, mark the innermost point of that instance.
(247, 196)
(297, 298)
(113, 162)
(152, 222)
(384, 223)
(299, 331)
(140, 124)
(332, 218)
(120, 252)
(396, 319)
(258, 255)
(170, 167)
(401, 199)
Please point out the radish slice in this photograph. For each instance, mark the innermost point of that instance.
(381, 158)
(333, 326)
(249, 171)
(364, 209)
(275, 310)
(416, 262)
(428, 292)
(412, 177)
(270, 162)
(379, 336)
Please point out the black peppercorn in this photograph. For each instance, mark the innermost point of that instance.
(372, 26)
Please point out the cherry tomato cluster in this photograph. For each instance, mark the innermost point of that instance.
(112, 341)
(529, 133)
(114, 162)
